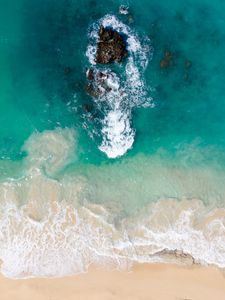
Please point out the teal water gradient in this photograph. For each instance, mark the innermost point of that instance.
(165, 193)
(43, 73)
(42, 79)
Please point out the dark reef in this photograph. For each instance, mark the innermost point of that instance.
(111, 46)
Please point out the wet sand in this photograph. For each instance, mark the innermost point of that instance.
(144, 282)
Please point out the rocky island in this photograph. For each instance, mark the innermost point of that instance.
(111, 46)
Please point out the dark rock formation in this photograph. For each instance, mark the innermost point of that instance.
(98, 84)
(111, 46)
(87, 108)
(92, 90)
(167, 60)
(90, 74)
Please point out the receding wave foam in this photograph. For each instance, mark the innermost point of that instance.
(130, 92)
(49, 227)
(67, 240)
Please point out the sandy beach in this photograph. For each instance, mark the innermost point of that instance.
(144, 282)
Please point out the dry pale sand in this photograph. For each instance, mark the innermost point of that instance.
(145, 282)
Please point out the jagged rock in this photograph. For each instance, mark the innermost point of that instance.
(92, 90)
(111, 46)
(98, 82)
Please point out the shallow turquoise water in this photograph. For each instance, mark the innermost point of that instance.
(179, 141)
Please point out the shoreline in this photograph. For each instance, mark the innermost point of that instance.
(144, 282)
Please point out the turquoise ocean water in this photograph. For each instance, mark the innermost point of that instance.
(134, 176)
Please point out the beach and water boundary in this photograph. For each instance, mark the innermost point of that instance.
(52, 225)
(109, 188)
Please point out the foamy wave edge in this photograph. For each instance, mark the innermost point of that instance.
(67, 240)
(47, 228)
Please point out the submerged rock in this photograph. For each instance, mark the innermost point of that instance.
(68, 70)
(167, 60)
(111, 46)
(187, 64)
(87, 107)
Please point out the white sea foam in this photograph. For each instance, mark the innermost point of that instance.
(123, 10)
(67, 240)
(118, 136)
(49, 228)
(130, 92)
